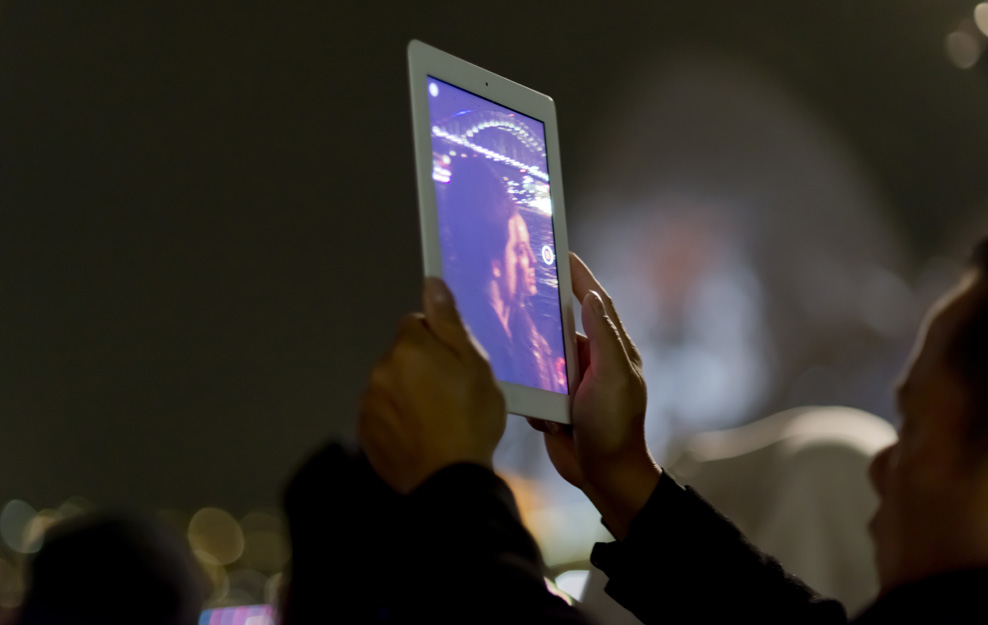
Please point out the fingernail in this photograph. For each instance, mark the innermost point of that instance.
(597, 303)
(436, 290)
(553, 427)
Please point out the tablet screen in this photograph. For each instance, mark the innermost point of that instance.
(240, 615)
(496, 236)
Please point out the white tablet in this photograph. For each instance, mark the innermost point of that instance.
(493, 223)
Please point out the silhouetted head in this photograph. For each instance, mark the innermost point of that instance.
(967, 354)
(933, 482)
(110, 570)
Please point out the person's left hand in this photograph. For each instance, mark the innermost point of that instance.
(432, 400)
(604, 453)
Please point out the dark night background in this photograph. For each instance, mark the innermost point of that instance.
(209, 225)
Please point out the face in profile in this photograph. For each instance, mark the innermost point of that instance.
(913, 522)
(517, 271)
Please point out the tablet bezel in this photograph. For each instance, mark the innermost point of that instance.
(425, 61)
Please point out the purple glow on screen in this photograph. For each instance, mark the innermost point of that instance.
(495, 228)
(240, 615)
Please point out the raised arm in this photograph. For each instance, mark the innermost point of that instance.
(429, 422)
(675, 557)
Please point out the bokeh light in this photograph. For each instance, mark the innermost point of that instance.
(11, 585)
(981, 17)
(241, 561)
(272, 590)
(247, 586)
(73, 507)
(265, 546)
(963, 48)
(216, 574)
(14, 521)
(265, 550)
(34, 532)
(573, 582)
(215, 532)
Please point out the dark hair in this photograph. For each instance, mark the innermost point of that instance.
(476, 211)
(967, 354)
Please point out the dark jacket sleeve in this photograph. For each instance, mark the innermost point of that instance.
(683, 562)
(454, 551)
(477, 548)
(341, 521)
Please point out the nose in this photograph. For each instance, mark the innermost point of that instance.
(878, 469)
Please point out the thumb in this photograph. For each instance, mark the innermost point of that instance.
(608, 357)
(442, 317)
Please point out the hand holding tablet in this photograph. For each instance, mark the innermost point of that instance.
(604, 453)
(493, 226)
(431, 401)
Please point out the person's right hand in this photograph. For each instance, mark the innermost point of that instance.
(432, 401)
(604, 453)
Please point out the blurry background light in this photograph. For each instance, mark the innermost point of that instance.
(215, 532)
(887, 304)
(74, 506)
(247, 587)
(962, 48)
(266, 547)
(527, 495)
(573, 582)
(981, 17)
(272, 590)
(14, 520)
(11, 585)
(218, 579)
(34, 531)
(265, 550)
(818, 385)
(557, 529)
(702, 177)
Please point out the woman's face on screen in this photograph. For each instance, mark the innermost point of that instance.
(519, 261)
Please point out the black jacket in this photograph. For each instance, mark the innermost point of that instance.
(455, 551)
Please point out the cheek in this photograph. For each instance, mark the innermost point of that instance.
(878, 471)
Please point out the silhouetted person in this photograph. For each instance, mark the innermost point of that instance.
(433, 415)
(113, 570)
(348, 542)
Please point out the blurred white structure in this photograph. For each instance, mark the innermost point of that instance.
(749, 255)
(796, 484)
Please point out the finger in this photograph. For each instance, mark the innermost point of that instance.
(608, 357)
(387, 380)
(443, 318)
(379, 394)
(583, 282)
(409, 327)
(537, 424)
(379, 380)
(416, 342)
(583, 353)
(376, 428)
(417, 355)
